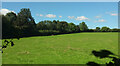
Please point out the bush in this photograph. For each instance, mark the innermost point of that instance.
(48, 32)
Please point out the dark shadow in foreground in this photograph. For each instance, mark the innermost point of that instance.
(7, 43)
(105, 54)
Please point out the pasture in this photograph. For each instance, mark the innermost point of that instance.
(61, 49)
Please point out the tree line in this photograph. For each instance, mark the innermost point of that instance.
(23, 24)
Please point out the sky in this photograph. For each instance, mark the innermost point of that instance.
(94, 14)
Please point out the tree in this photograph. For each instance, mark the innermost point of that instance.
(83, 27)
(5, 27)
(40, 25)
(11, 17)
(71, 27)
(63, 27)
(24, 25)
(114, 30)
(25, 22)
(97, 29)
(105, 29)
(8, 30)
(77, 28)
(24, 18)
(54, 24)
(12, 20)
(91, 30)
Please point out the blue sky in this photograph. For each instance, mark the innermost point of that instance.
(95, 14)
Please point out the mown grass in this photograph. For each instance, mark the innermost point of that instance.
(60, 49)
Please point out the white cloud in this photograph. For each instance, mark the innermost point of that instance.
(101, 20)
(41, 15)
(98, 16)
(70, 17)
(82, 18)
(60, 16)
(5, 11)
(112, 13)
(50, 15)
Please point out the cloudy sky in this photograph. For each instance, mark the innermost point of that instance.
(93, 13)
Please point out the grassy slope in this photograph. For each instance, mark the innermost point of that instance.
(60, 49)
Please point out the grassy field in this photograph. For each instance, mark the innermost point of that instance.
(60, 49)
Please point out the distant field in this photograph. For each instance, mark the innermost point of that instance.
(60, 49)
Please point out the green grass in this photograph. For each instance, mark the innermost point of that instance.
(60, 49)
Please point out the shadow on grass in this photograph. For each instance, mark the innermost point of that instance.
(7, 43)
(105, 54)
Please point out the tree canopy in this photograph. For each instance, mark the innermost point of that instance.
(83, 27)
(23, 24)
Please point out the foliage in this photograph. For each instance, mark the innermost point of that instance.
(83, 27)
(61, 26)
(97, 29)
(23, 25)
(48, 32)
(105, 29)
